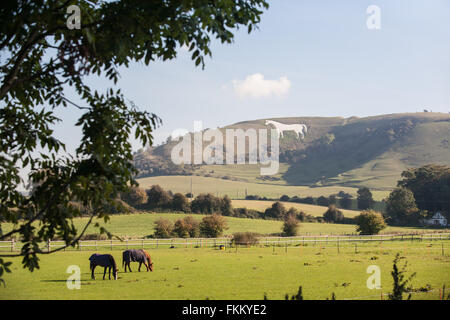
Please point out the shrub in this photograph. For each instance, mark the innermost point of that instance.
(284, 198)
(135, 196)
(365, 199)
(277, 211)
(187, 227)
(245, 238)
(163, 228)
(323, 201)
(370, 222)
(333, 214)
(290, 226)
(158, 198)
(213, 226)
(401, 207)
(180, 202)
(345, 201)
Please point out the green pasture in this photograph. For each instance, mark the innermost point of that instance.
(245, 273)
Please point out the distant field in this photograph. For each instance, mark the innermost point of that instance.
(316, 211)
(248, 273)
(238, 189)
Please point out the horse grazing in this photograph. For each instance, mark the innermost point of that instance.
(135, 255)
(300, 129)
(150, 263)
(103, 260)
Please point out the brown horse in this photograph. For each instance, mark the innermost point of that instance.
(136, 255)
(150, 263)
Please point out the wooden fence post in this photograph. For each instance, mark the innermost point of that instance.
(48, 245)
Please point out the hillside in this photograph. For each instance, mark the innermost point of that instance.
(336, 151)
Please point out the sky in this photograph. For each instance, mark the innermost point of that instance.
(308, 58)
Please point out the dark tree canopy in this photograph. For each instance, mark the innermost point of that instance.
(430, 185)
(41, 59)
(365, 199)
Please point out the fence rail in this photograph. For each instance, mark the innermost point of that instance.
(12, 245)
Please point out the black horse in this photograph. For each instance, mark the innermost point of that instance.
(135, 255)
(103, 260)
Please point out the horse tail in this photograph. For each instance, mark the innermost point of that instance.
(123, 259)
(113, 263)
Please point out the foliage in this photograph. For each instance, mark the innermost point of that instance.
(208, 203)
(187, 227)
(323, 201)
(401, 207)
(277, 211)
(158, 198)
(180, 202)
(333, 214)
(163, 228)
(290, 226)
(345, 200)
(135, 196)
(400, 283)
(430, 185)
(365, 199)
(370, 222)
(42, 59)
(245, 238)
(212, 226)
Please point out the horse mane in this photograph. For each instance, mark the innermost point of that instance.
(147, 255)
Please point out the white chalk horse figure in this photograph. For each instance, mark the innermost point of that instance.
(299, 129)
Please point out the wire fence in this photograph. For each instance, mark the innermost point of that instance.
(304, 241)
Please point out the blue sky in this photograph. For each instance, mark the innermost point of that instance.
(334, 64)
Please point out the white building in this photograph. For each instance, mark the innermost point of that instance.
(438, 219)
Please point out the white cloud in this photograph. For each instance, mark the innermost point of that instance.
(255, 86)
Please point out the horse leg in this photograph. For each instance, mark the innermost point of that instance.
(104, 273)
(140, 264)
(92, 275)
(128, 266)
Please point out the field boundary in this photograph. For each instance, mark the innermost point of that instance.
(13, 245)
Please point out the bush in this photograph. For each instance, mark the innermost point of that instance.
(158, 198)
(245, 238)
(333, 214)
(290, 226)
(365, 199)
(277, 211)
(163, 228)
(323, 201)
(247, 213)
(213, 226)
(345, 201)
(180, 203)
(370, 222)
(187, 227)
(135, 196)
(284, 198)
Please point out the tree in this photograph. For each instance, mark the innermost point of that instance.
(290, 226)
(323, 201)
(163, 228)
(401, 207)
(333, 214)
(430, 185)
(400, 283)
(277, 211)
(187, 227)
(345, 201)
(365, 199)
(158, 198)
(369, 222)
(42, 59)
(212, 226)
(180, 202)
(135, 196)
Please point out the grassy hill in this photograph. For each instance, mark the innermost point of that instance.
(336, 151)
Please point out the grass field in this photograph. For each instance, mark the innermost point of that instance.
(247, 273)
(238, 189)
